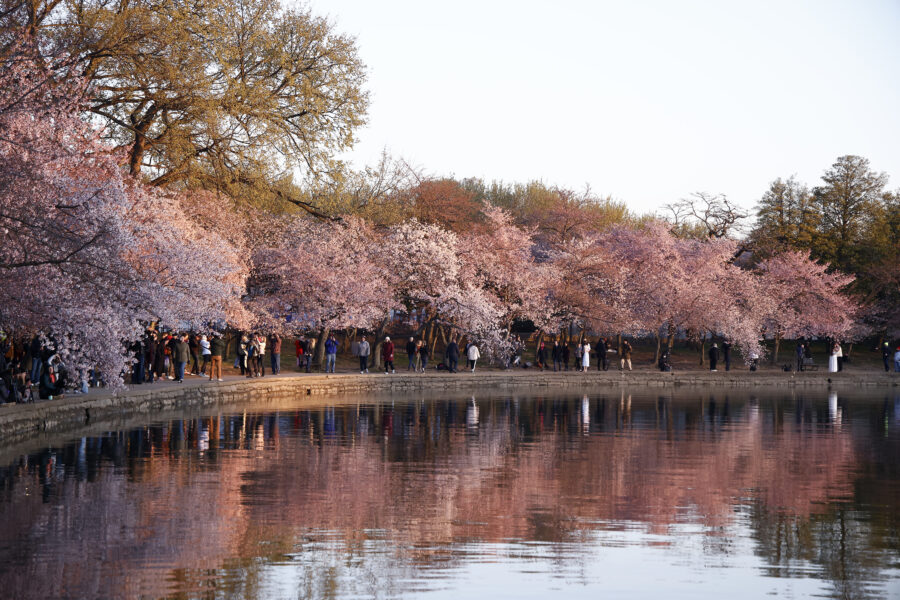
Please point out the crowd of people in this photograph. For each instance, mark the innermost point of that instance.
(31, 368)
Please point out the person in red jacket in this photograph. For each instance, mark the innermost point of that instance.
(387, 354)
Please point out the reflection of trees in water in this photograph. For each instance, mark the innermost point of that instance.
(374, 493)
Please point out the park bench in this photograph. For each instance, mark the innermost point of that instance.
(809, 365)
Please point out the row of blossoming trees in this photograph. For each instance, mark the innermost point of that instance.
(91, 255)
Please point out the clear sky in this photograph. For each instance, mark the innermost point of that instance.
(644, 100)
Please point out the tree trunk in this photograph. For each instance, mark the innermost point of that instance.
(348, 339)
(658, 342)
(777, 347)
(702, 350)
(320, 348)
(378, 342)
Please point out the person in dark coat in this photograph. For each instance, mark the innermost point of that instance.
(886, 355)
(423, 356)
(159, 361)
(194, 345)
(602, 349)
(150, 355)
(541, 355)
(726, 354)
(713, 357)
(801, 353)
(137, 375)
(181, 353)
(566, 355)
(411, 354)
(387, 355)
(451, 355)
(556, 354)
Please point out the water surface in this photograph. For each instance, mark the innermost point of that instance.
(642, 494)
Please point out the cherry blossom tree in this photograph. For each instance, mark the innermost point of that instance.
(89, 256)
(804, 299)
(326, 274)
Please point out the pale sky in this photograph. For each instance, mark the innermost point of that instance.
(644, 100)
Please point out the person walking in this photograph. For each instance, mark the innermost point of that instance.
(275, 356)
(181, 355)
(423, 355)
(726, 354)
(585, 356)
(602, 354)
(451, 355)
(387, 355)
(626, 355)
(713, 357)
(556, 355)
(411, 355)
(331, 348)
(834, 358)
(473, 355)
(541, 356)
(363, 351)
(217, 352)
(886, 355)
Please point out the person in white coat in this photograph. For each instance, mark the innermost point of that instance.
(473, 355)
(585, 356)
(834, 358)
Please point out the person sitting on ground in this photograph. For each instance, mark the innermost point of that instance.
(665, 361)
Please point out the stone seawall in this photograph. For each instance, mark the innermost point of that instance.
(21, 422)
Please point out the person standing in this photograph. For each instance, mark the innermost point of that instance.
(411, 355)
(387, 355)
(217, 352)
(897, 360)
(886, 355)
(275, 349)
(833, 358)
(150, 354)
(331, 348)
(205, 354)
(181, 354)
(261, 357)
(726, 354)
(626, 355)
(713, 357)
(36, 360)
(242, 352)
(566, 355)
(602, 354)
(541, 356)
(159, 362)
(423, 355)
(194, 345)
(451, 355)
(585, 356)
(801, 353)
(473, 355)
(363, 352)
(556, 355)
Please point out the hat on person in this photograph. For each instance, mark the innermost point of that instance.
(387, 338)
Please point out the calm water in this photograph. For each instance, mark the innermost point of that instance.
(604, 495)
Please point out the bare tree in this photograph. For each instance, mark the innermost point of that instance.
(712, 213)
